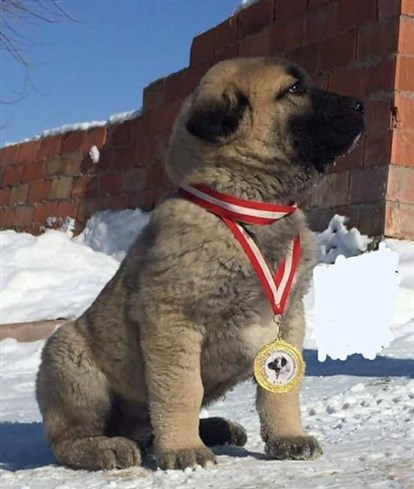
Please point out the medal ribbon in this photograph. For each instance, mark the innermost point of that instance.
(232, 210)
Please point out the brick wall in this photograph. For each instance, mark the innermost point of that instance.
(363, 48)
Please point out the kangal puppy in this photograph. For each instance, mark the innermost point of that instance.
(184, 317)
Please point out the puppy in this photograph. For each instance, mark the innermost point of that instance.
(185, 315)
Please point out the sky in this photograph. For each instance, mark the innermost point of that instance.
(98, 65)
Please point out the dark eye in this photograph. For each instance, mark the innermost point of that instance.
(296, 88)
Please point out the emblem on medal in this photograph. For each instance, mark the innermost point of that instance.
(279, 367)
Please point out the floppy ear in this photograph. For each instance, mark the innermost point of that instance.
(214, 120)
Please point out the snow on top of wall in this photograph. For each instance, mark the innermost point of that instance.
(82, 126)
(244, 4)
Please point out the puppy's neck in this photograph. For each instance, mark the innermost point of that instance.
(257, 186)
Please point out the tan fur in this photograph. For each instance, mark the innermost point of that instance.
(183, 318)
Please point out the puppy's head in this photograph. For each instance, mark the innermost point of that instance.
(261, 116)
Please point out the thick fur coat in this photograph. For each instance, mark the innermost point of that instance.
(184, 317)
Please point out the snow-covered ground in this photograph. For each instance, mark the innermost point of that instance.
(361, 410)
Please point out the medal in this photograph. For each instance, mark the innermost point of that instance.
(279, 367)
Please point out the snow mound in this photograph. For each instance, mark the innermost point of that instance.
(338, 240)
(113, 232)
(49, 276)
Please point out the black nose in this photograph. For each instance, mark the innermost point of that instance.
(358, 106)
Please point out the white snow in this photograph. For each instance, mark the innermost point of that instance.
(337, 240)
(339, 332)
(113, 232)
(361, 410)
(94, 154)
(81, 126)
(244, 4)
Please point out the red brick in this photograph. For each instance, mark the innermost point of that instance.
(371, 219)
(320, 23)
(120, 134)
(12, 175)
(4, 196)
(403, 148)
(134, 180)
(307, 57)
(140, 127)
(407, 7)
(28, 151)
(228, 52)
(368, 184)
(23, 216)
(84, 187)
(194, 74)
(50, 146)
(377, 40)
(256, 45)
(406, 35)
(404, 79)
(6, 217)
(72, 141)
(116, 203)
(404, 108)
(399, 220)
(162, 119)
(286, 36)
(144, 151)
(39, 191)
(66, 164)
(161, 145)
(255, 17)
(61, 188)
(401, 184)
(176, 86)
(155, 176)
(377, 150)
(66, 209)
(96, 136)
(87, 207)
(388, 9)
(337, 52)
(352, 161)
(351, 82)
(33, 170)
(381, 77)
(72, 163)
(43, 211)
(284, 9)
(316, 3)
(226, 33)
(331, 190)
(143, 200)
(153, 95)
(110, 183)
(18, 194)
(321, 81)
(351, 15)
(124, 158)
(378, 115)
(202, 47)
(8, 155)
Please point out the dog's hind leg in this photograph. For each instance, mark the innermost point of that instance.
(76, 404)
(220, 431)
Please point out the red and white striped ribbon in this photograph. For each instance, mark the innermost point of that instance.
(276, 285)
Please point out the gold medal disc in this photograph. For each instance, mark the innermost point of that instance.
(279, 367)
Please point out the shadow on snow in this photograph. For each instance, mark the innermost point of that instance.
(359, 366)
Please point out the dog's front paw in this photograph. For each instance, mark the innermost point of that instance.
(180, 459)
(294, 448)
